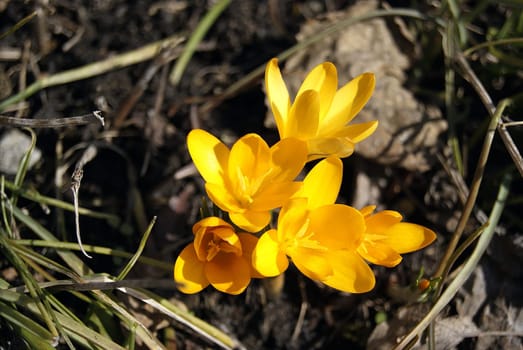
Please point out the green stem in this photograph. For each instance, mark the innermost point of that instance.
(200, 31)
(467, 269)
(90, 70)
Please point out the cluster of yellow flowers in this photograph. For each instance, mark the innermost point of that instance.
(327, 242)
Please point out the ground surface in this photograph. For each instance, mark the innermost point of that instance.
(142, 168)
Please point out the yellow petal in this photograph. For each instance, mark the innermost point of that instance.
(228, 273)
(358, 132)
(293, 219)
(322, 184)
(330, 146)
(249, 242)
(348, 102)
(350, 273)
(189, 271)
(380, 222)
(312, 263)
(405, 237)
(274, 195)
(209, 222)
(368, 210)
(251, 221)
(222, 197)
(249, 159)
(277, 95)
(304, 115)
(267, 257)
(337, 226)
(379, 253)
(288, 157)
(324, 79)
(210, 155)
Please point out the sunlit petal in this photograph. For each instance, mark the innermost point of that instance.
(249, 242)
(210, 155)
(228, 273)
(274, 195)
(382, 221)
(337, 226)
(324, 79)
(405, 237)
(311, 262)
(277, 94)
(249, 158)
(358, 132)
(267, 257)
(304, 115)
(350, 273)
(222, 197)
(348, 102)
(292, 218)
(322, 184)
(251, 221)
(368, 210)
(288, 156)
(379, 253)
(189, 271)
(326, 146)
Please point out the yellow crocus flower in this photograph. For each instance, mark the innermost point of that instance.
(330, 242)
(250, 179)
(218, 256)
(320, 112)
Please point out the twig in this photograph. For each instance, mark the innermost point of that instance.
(78, 173)
(444, 266)
(52, 122)
(471, 77)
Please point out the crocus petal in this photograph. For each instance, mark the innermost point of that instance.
(382, 221)
(277, 94)
(288, 157)
(405, 237)
(304, 115)
(249, 242)
(358, 132)
(228, 273)
(189, 271)
(222, 197)
(251, 221)
(366, 211)
(379, 253)
(293, 219)
(322, 184)
(337, 226)
(350, 273)
(348, 102)
(210, 155)
(324, 79)
(249, 158)
(274, 195)
(267, 257)
(326, 146)
(312, 263)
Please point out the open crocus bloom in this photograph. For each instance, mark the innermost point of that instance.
(218, 256)
(386, 237)
(330, 242)
(250, 179)
(320, 113)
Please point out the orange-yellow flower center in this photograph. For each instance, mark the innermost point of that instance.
(248, 186)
